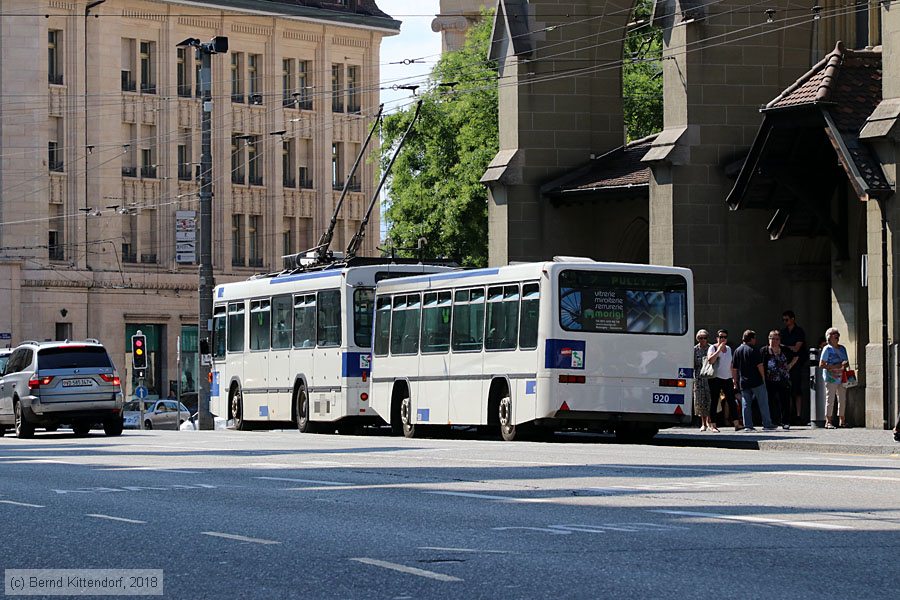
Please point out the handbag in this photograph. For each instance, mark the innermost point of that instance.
(848, 378)
(707, 371)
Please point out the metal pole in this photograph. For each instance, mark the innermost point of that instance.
(886, 365)
(207, 282)
(178, 382)
(141, 400)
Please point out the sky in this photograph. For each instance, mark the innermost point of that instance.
(416, 40)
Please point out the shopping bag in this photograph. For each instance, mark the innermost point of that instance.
(848, 379)
(707, 371)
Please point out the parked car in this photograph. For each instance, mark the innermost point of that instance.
(194, 423)
(48, 384)
(158, 414)
(5, 353)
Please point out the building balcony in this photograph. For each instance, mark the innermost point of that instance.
(128, 257)
(184, 91)
(306, 184)
(237, 261)
(354, 186)
(148, 259)
(129, 171)
(256, 179)
(288, 182)
(238, 98)
(288, 101)
(56, 166)
(128, 84)
(148, 172)
(238, 178)
(255, 262)
(148, 88)
(55, 78)
(56, 253)
(185, 173)
(256, 99)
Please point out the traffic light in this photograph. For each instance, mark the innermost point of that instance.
(139, 352)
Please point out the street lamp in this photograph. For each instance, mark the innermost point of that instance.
(217, 45)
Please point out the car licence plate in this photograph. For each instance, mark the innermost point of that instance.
(77, 382)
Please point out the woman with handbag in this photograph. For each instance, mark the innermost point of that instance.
(720, 355)
(701, 382)
(833, 363)
(777, 368)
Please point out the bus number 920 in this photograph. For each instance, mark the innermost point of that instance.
(668, 398)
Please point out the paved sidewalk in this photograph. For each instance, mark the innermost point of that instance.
(798, 439)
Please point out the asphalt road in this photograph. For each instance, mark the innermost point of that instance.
(283, 515)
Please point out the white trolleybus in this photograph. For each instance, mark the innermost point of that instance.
(568, 344)
(295, 347)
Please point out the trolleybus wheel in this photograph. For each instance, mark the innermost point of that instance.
(508, 429)
(635, 434)
(237, 409)
(409, 428)
(301, 400)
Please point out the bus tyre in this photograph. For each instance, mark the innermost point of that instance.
(24, 429)
(301, 401)
(634, 434)
(409, 428)
(508, 429)
(237, 409)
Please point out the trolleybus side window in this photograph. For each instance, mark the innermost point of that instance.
(236, 327)
(282, 311)
(436, 322)
(612, 302)
(405, 324)
(220, 323)
(528, 327)
(382, 326)
(328, 327)
(502, 318)
(468, 320)
(260, 317)
(363, 313)
(305, 321)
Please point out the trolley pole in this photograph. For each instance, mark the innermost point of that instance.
(207, 282)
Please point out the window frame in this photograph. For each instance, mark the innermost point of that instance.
(290, 324)
(320, 311)
(261, 305)
(442, 299)
(468, 302)
(537, 323)
(239, 309)
(308, 300)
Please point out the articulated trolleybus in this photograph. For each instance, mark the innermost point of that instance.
(295, 347)
(568, 344)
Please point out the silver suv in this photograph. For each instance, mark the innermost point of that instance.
(46, 384)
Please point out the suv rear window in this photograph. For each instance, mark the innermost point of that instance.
(73, 357)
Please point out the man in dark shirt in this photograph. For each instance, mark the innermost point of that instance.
(793, 338)
(749, 380)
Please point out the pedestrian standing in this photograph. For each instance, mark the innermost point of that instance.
(834, 362)
(793, 338)
(749, 380)
(719, 354)
(702, 395)
(778, 379)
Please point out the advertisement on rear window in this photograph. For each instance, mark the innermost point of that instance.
(611, 302)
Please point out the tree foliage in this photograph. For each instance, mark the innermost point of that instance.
(434, 190)
(642, 82)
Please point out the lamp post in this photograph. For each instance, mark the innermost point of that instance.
(205, 50)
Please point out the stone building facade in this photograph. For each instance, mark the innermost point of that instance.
(455, 19)
(100, 150)
(561, 109)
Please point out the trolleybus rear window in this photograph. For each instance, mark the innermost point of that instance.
(615, 302)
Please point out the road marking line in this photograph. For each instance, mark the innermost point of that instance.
(473, 550)
(22, 504)
(271, 465)
(240, 538)
(154, 469)
(316, 481)
(755, 520)
(120, 519)
(830, 476)
(492, 497)
(405, 569)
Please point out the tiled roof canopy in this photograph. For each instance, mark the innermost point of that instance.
(618, 173)
(817, 117)
(361, 12)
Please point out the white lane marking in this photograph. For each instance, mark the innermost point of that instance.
(404, 569)
(153, 469)
(754, 520)
(120, 519)
(22, 504)
(240, 538)
(830, 476)
(315, 481)
(473, 550)
(271, 465)
(489, 497)
(542, 529)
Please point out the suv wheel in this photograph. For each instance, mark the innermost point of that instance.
(81, 429)
(113, 427)
(2, 430)
(24, 429)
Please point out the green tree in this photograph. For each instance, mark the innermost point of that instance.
(434, 190)
(642, 82)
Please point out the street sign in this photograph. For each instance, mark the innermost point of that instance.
(5, 335)
(140, 391)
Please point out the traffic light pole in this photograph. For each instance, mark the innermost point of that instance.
(207, 281)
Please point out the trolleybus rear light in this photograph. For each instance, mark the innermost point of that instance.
(364, 396)
(571, 379)
(680, 383)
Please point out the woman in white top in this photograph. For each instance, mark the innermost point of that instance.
(720, 356)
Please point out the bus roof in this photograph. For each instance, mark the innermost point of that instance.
(520, 271)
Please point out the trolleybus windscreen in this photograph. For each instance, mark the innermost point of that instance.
(612, 302)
